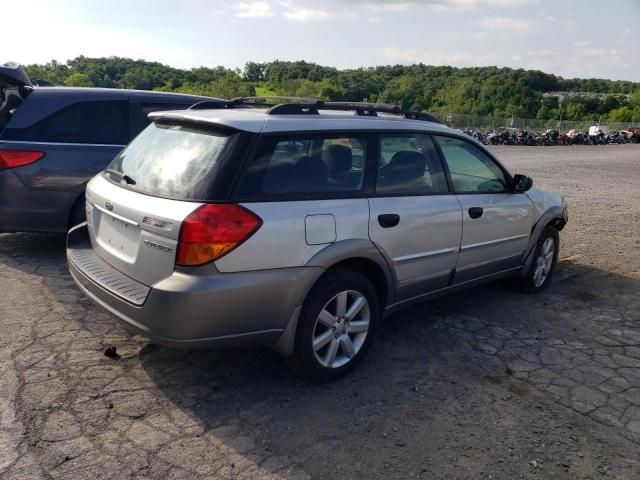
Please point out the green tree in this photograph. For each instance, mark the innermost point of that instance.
(253, 72)
(227, 87)
(78, 80)
(322, 90)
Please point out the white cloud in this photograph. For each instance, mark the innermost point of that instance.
(443, 5)
(581, 60)
(306, 14)
(307, 10)
(505, 25)
(254, 9)
(410, 56)
(300, 8)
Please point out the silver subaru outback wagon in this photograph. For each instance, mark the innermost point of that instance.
(301, 225)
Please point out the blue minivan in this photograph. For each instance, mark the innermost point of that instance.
(54, 139)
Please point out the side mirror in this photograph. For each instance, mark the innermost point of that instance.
(521, 183)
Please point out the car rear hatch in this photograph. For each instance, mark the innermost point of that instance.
(136, 207)
(15, 85)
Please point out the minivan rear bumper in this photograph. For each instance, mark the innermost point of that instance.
(199, 310)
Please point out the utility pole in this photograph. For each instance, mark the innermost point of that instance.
(560, 103)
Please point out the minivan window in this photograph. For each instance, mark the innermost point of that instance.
(299, 167)
(176, 161)
(141, 110)
(103, 122)
(471, 170)
(409, 165)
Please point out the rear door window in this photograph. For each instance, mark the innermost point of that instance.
(102, 122)
(305, 166)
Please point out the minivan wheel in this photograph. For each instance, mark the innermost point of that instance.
(336, 326)
(538, 277)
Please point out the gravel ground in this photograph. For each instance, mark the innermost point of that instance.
(488, 383)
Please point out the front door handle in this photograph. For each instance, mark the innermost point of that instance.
(388, 220)
(475, 212)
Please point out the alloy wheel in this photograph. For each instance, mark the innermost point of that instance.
(341, 328)
(544, 262)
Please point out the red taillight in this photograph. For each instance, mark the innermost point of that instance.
(18, 158)
(212, 231)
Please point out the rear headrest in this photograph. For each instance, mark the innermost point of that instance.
(311, 171)
(338, 158)
(407, 165)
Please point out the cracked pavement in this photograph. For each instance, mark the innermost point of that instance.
(488, 383)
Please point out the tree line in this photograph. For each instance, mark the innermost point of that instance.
(485, 91)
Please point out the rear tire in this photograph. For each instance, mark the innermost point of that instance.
(545, 256)
(337, 325)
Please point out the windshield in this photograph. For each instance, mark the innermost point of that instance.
(176, 161)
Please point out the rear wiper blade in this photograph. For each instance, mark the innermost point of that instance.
(120, 176)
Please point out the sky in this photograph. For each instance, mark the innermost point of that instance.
(571, 38)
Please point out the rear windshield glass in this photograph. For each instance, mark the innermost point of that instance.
(176, 161)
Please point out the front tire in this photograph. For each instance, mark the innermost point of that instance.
(538, 276)
(337, 325)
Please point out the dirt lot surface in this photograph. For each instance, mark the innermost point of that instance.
(484, 384)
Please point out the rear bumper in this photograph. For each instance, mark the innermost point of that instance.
(199, 311)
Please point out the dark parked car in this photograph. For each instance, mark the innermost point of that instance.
(54, 139)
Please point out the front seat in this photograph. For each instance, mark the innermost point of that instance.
(339, 161)
(310, 174)
(406, 167)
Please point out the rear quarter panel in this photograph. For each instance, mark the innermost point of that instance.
(282, 239)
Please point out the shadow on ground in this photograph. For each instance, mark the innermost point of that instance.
(487, 380)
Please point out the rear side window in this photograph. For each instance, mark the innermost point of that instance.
(301, 167)
(104, 122)
(176, 161)
(471, 170)
(409, 165)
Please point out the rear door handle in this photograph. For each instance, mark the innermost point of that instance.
(388, 220)
(475, 212)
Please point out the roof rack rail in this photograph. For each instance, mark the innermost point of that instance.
(245, 102)
(311, 106)
(362, 109)
(204, 104)
(263, 99)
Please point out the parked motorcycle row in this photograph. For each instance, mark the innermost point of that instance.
(595, 136)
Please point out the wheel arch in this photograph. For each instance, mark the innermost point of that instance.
(361, 256)
(555, 217)
(357, 255)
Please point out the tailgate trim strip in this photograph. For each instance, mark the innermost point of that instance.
(115, 215)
